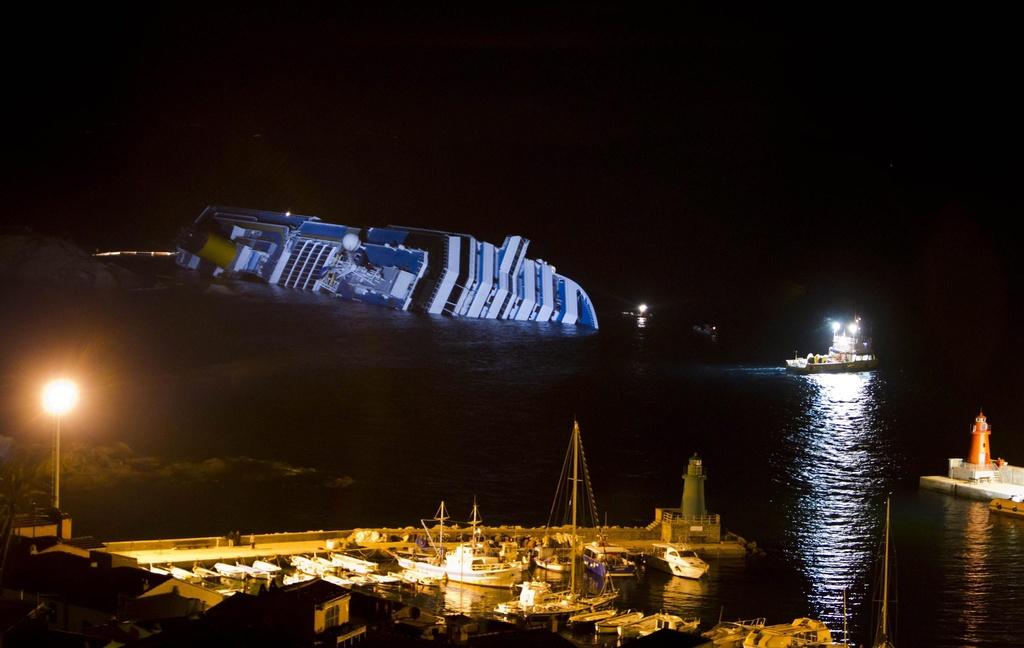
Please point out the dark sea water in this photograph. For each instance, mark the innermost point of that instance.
(214, 408)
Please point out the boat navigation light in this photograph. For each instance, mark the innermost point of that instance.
(852, 328)
(836, 326)
(642, 308)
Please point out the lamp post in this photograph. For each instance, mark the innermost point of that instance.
(59, 397)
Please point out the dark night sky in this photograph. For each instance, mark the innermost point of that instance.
(721, 165)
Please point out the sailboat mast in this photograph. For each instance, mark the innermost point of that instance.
(885, 576)
(442, 515)
(575, 480)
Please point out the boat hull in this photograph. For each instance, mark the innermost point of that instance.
(1007, 507)
(485, 578)
(681, 569)
(602, 569)
(551, 565)
(403, 268)
(833, 367)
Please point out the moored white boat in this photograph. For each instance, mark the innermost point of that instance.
(655, 622)
(468, 563)
(675, 559)
(730, 634)
(307, 566)
(588, 619)
(265, 566)
(298, 577)
(228, 571)
(611, 626)
(554, 563)
(353, 564)
(801, 632)
(181, 574)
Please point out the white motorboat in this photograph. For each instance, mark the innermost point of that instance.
(265, 566)
(414, 579)
(611, 626)
(252, 572)
(675, 559)
(181, 574)
(298, 577)
(307, 566)
(203, 572)
(228, 571)
(159, 570)
(655, 622)
(383, 579)
(353, 564)
(555, 562)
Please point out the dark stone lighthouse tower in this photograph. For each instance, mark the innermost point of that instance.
(693, 489)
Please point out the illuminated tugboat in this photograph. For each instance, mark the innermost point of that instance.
(847, 353)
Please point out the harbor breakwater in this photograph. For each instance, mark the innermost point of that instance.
(187, 551)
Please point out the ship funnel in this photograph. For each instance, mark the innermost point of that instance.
(981, 452)
(693, 488)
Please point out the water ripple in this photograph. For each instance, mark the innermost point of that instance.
(835, 459)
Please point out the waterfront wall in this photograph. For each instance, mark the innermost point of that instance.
(1011, 475)
(375, 535)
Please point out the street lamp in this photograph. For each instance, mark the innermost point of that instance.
(59, 397)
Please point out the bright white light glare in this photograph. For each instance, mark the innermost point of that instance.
(60, 397)
(836, 326)
(642, 308)
(852, 328)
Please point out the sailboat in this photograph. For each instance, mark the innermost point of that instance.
(536, 598)
(468, 563)
(560, 559)
(883, 633)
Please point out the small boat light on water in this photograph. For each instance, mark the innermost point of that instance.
(642, 308)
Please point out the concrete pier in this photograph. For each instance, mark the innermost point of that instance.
(186, 552)
(983, 491)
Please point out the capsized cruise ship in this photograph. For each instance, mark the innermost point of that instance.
(404, 268)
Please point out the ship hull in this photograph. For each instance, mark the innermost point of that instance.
(833, 367)
(403, 268)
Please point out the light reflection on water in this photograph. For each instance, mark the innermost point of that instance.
(977, 558)
(837, 462)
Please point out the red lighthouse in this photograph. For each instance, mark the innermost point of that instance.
(981, 452)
